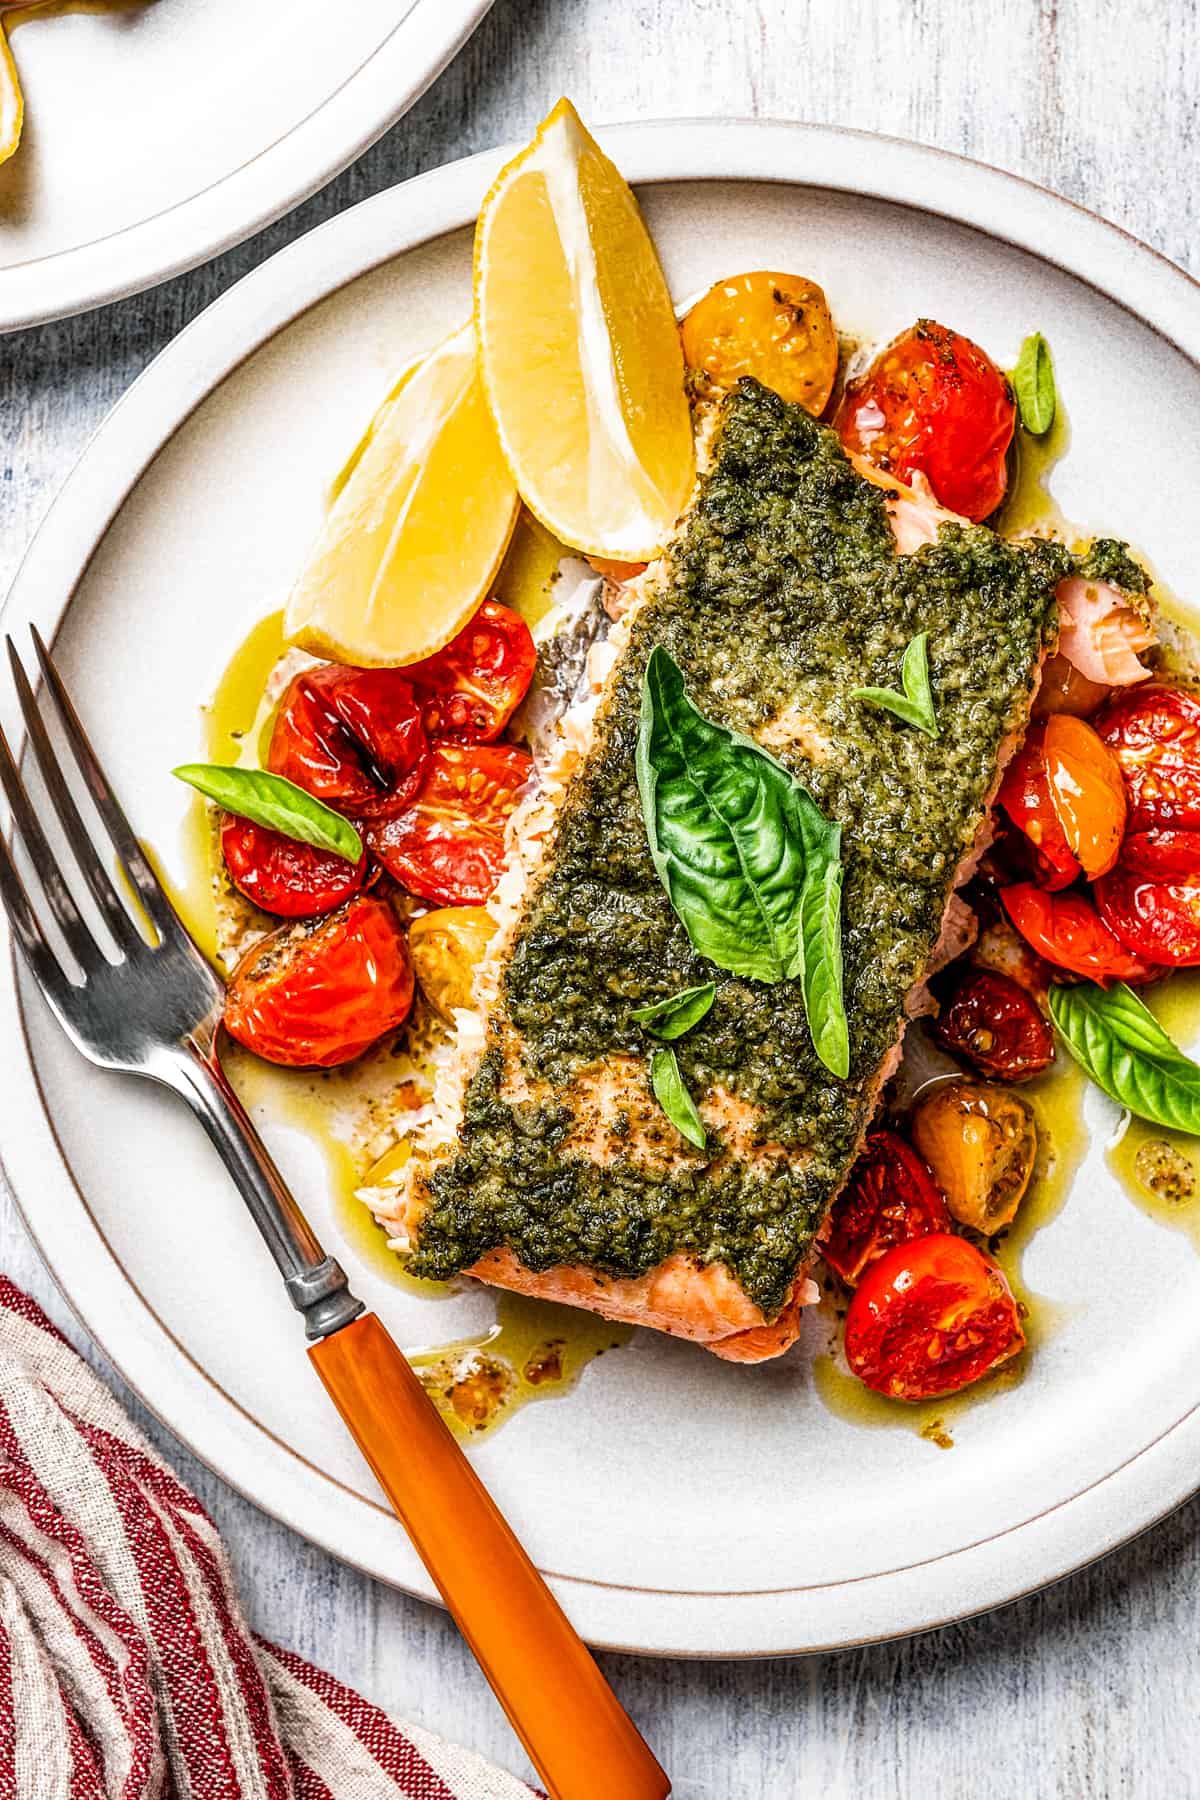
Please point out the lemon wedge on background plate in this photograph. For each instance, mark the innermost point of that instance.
(418, 530)
(580, 349)
(12, 104)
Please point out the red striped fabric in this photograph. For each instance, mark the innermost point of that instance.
(127, 1670)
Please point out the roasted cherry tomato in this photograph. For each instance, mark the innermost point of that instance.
(318, 994)
(1162, 855)
(775, 327)
(1159, 920)
(935, 402)
(471, 689)
(980, 1142)
(995, 1024)
(352, 737)
(284, 876)
(889, 1198)
(449, 846)
(1086, 790)
(1063, 689)
(1068, 931)
(1025, 796)
(446, 945)
(929, 1318)
(1154, 733)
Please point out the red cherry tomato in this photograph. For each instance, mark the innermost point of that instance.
(934, 402)
(1087, 792)
(1155, 919)
(471, 689)
(1154, 733)
(996, 1025)
(284, 876)
(449, 846)
(931, 1317)
(318, 994)
(1025, 796)
(1068, 931)
(890, 1197)
(352, 737)
(1162, 855)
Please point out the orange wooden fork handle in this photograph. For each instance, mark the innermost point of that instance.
(577, 1735)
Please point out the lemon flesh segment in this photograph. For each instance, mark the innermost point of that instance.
(416, 533)
(12, 103)
(580, 348)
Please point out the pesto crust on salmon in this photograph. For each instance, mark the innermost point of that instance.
(547, 1164)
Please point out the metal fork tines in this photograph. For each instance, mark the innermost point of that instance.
(145, 1003)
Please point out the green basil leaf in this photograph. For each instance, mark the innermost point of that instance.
(1124, 1049)
(277, 803)
(670, 1090)
(1033, 379)
(721, 818)
(670, 1018)
(821, 930)
(915, 704)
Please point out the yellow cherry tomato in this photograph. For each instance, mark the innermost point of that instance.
(445, 946)
(775, 327)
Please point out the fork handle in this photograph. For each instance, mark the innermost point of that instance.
(575, 1731)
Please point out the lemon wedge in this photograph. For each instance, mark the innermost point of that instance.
(12, 104)
(417, 532)
(580, 349)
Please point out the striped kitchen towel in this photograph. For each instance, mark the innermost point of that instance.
(127, 1671)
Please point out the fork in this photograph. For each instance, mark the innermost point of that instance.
(156, 1011)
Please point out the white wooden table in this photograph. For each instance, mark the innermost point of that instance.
(1089, 1689)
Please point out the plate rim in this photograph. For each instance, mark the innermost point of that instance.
(109, 1307)
(194, 230)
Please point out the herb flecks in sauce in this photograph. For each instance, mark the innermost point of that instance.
(783, 594)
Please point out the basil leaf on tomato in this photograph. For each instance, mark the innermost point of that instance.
(276, 803)
(1033, 381)
(670, 1090)
(672, 1017)
(915, 705)
(749, 862)
(1121, 1045)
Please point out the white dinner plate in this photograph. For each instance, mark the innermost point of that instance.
(680, 1504)
(160, 132)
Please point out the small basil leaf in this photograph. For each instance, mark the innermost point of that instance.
(721, 819)
(670, 1090)
(821, 928)
(670, 1018)
(1120, 1044)
(915, 704)
(1033, 379)
(276, 803)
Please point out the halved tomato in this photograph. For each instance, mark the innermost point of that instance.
(1026, 798)
(1154, 733)
(935, 402)
(352, 737)
(1162, 855)
(448, 846)
(284, 876)
(1068, 931)
(320, 993)
(890, 1196)
(471, 689)
(931, 1317)
(1086, 790)
(775, 327)
(1159, 920)
(995, 1024)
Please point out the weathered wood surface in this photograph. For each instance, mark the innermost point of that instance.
(1089, 1689)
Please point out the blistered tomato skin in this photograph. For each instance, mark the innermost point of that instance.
(352, 737)
(1162, 855)
(1154, 733)
(889, 1198)
(470, 690)
(1087, 791)
(996, 1026)
(1026, 798)
(283, 876)
(1157, 920)
(929, 1318)
(318, 994)
(775, 327)
(1068, 931)
(934, 402)
(448, 846)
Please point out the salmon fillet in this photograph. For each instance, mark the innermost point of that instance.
(548, 1165)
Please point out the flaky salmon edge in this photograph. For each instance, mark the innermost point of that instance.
(703, 1302)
